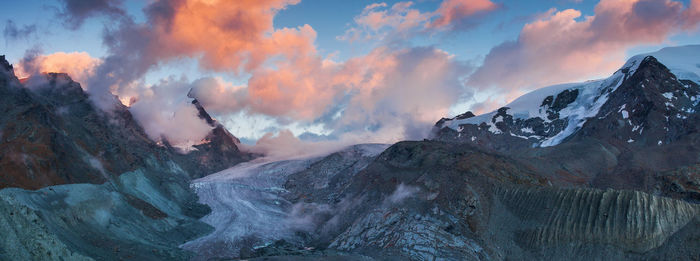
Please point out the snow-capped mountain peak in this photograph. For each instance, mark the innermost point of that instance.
(547, 116)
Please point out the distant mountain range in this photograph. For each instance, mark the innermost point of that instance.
(604, 170)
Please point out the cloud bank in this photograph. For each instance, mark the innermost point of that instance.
(396, 91)
(377, 21)
(80, 66)
(564, 46)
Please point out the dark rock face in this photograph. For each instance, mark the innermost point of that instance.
(52, 134)
(564, 98)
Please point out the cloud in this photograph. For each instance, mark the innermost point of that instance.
(401, 193)
(12, 32)
(284, 145)
(164, 111)
(219, 97)
(377, 21)
(456, 14)
(692, 15)
(74, 12)
(565, 46)
(226, 36)
(78, 65)
(394, 91)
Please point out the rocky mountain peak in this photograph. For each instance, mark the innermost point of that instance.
(552, 115)
(4, 64)
(652, 107)
(218, 151)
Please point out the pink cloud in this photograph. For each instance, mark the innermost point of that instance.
(566, 47)
(398, 91)
(401, 89)
(692, 15)
(229, 34)
(78, 65)
(377, 21)
(222, 35)
(452, 12)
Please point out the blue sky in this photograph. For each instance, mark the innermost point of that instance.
(329, 18)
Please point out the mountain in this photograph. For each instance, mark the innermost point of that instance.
(52, 134)
(600, 170)
(81, 183)
(622, 132)
(637, 94)
(569, 172)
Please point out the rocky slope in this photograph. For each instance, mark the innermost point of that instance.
(80, 183)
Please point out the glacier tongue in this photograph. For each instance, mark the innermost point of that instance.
(247, 207)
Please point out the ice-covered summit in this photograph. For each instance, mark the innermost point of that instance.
(547, 116)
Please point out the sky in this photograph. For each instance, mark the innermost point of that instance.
(320, 73)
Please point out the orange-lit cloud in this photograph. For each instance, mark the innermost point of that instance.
(78, 65)
(405, 90)
(377, 20)
(232, 34)
(453, 12)
(566, 47)
(692, 15)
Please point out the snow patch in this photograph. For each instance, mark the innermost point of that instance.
(668, 95)
(625, 115)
